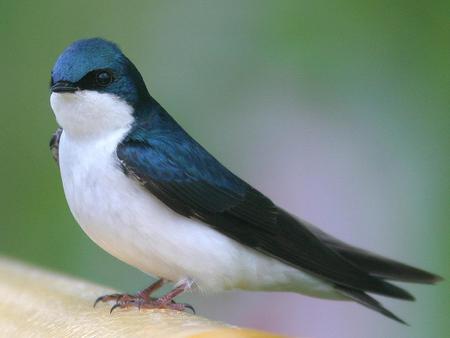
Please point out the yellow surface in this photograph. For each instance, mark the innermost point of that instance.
(235, 333)
(38, 303)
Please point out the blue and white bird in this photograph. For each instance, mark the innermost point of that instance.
(149, 194)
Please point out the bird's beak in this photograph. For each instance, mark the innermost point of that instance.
(64, 87)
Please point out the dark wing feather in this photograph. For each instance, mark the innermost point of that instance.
(374, 264)
(190, 181)
(54, 144)
(364, 299)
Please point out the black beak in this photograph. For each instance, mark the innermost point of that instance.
(64, 87)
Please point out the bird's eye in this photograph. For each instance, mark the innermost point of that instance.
(103, 78)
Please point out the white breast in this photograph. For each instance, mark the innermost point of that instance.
(127, 221)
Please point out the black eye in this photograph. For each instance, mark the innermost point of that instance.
(103, 78)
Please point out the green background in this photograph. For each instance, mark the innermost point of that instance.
(338, 110)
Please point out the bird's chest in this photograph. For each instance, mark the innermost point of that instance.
(94, 185)
(113, 210)
(117, 213)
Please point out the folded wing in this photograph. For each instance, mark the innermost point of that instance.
(183, 175)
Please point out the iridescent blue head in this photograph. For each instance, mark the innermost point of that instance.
(98, 65)
(96, 89)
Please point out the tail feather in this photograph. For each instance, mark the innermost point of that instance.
(376, 265)
(366, 300)
(386, 268)
(391, 290)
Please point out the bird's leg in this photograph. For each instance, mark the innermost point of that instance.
(144, 294)
(167, 302)
(144, 300)
(147, 292)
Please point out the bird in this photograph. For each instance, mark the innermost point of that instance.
(147, 193)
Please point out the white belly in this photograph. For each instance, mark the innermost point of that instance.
(118, 214)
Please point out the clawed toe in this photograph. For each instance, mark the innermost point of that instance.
(115, 306)
(107, 298)
(190, 307)
(159, 304)
(123, 301)
(143, 299)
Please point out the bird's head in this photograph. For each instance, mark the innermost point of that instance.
(95, 88)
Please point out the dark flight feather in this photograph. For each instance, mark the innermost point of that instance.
(364, 299)
(54, 144)
(375, 264)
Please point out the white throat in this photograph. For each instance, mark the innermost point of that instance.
(88, 113)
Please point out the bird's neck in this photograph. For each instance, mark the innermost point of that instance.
(90, 114)
(150, 115)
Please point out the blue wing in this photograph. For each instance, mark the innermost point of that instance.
(182, 174)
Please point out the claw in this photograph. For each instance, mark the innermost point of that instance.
(115, 306)
(99, 299)
(190, 307)
(96, 301)
(106, 298)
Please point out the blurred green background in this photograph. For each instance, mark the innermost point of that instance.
(338, 110)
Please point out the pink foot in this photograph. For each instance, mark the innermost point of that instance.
(142, 300)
